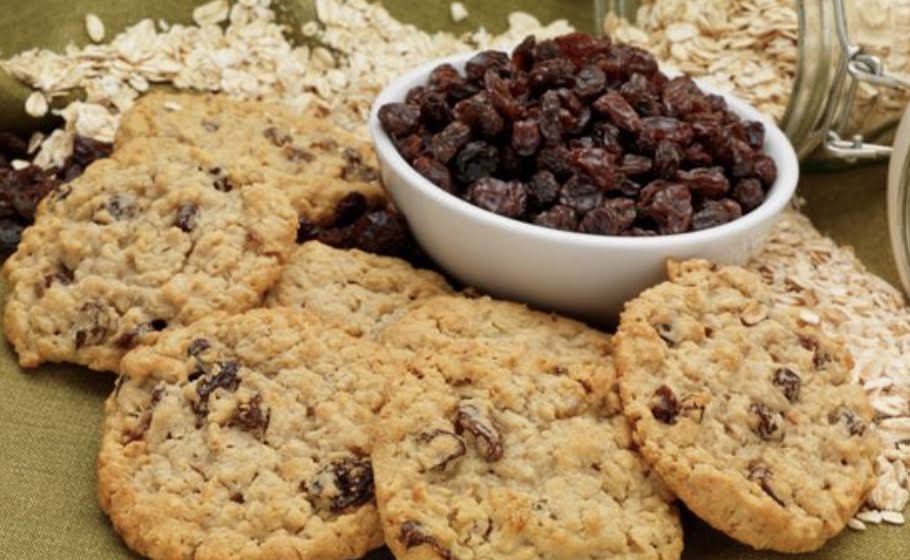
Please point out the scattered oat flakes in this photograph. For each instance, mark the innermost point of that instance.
(458, 11)
(34, 142)
(94, 27)
(856, 525)
(893, 517)
(19, 164)
(36, 104)
(172, 106)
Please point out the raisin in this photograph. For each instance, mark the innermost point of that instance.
(550, 122)
(654, 130)
(637, 60)
(607, 136)
(120, 207)
(639, 232)
(575, 115)
(92, 325)
(226, 379)
(145, 419)
(762, 475)
(63, 276)
(558, 217)
(589, 82)
(580, 195)
(766, 423)
(619, 110)
(667, 334)
(250, 417)
(633, 164)
(500, 94)
(640, 93)
(693, 407)
(87, 150)
(765, 169)
(478, 113)
(483, 61)
(749, 194)
(597, 165)
(610, 218)
(523, 54)
(399, 119)
(755, 134)
(682, 97)
(714, 213)
(307, 230)
(737, 156)
(667, 158)
(348, 208)
(186, 216)
(129, 338)
(845, 416)
(708, 182)
(439, 448)
(447, 143)
(410, 147)
(10, 234)
(669, 205)
(788, 382)
(546, 50)
(442, 78)
(340, 485)
(210, 126)
(556, 159)
(506, 198)
(297, 155)
(526, 137)
(627, 188)
(664, 405)
(697, 155)
(435, 172)
(381, 232)
(277, 137)
(32, 186)
(471, 417)
(542, 190)
(222, 182)
(434, 110)
(414, 534)
(197, 347)
(475, 161)
(355, 169)
(554, 72)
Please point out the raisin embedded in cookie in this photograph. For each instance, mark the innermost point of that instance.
(244, 436)
(358, 291)
(503, 438)
(744, 411)
(312, 160)
(137, 245)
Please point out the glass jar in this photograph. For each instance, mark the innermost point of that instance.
(843, 97)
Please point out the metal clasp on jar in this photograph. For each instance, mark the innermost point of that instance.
(856, 67)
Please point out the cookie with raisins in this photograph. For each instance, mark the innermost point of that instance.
(245, 436)
(357, 291)
(744, 410)
(503, 438)
(314, 161)
(136, 245)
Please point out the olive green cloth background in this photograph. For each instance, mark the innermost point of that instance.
(50, 417)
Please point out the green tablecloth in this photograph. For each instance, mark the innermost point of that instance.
(50, 418)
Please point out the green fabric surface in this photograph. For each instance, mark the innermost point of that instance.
(50, 417)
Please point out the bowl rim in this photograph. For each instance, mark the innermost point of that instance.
(778, 197)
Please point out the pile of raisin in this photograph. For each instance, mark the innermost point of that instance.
(21, 190)
(581, 134)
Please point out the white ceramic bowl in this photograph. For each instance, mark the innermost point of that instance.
(586, 276)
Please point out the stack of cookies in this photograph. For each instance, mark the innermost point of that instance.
(286, 400)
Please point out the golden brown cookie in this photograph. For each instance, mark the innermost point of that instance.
(746, 412)
(312, 160)
(137, 245)
(503, 438)
(245, 436)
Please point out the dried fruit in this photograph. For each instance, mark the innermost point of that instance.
(765, 422)
(186, 216)
(788, 382)
(435, 172)
(399, 119)
(226, 379)
(714, 213)
(610, 218)
(558, 217)
(762, 475)
(340, 485)
(414, 534)
(845, 416)
(472, 417)
(92, 325)
(475, 161)
(506, 198)
(542, 190)
(664, 405)
(249, 416)
(449, 141)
